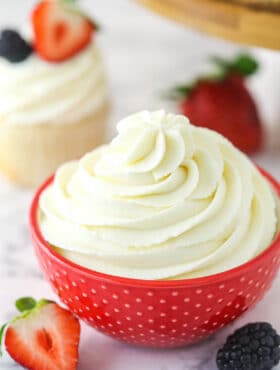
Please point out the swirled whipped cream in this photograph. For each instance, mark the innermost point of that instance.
(164, 200)
(38, 92)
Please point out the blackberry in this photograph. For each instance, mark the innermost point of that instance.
(255, 346)
(13, 47)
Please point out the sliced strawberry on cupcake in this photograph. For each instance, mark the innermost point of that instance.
(60, 29)
(223, 103)
(44, 337)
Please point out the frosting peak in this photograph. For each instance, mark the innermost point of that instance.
(164, 200)
(157, 143)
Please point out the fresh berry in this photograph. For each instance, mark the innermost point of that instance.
(44, 337)
(223, 103)
(255, 346)
(13, 47)
(60, 30)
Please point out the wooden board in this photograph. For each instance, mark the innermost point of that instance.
(225, 20)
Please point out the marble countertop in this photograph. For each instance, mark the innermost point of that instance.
(141, 62)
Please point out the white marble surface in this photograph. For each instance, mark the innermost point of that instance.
(144, 55)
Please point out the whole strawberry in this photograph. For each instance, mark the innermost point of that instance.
(44, 336)
(223, 103)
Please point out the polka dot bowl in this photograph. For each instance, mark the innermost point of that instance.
(156, 313)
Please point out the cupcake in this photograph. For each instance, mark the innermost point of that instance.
(164, 200)
(53, 97)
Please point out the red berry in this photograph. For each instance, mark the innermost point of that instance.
(60, 32)
(47, 338)
(227, 107)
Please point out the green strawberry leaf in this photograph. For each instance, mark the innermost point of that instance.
(2, 331)
(181, 91)
(25, 304)
(243, 64)
(178, 92)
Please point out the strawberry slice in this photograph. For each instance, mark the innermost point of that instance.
(60, 30)
(44, 337)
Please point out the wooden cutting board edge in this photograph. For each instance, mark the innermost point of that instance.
(228, 21)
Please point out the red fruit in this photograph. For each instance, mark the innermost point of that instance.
(60, 31)
(226, 106)
(221, 101)
(44, 338)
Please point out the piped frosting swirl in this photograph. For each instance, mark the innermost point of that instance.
(37, 92)
(164, 200)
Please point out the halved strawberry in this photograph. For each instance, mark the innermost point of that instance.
(60, 30)
(44, 337)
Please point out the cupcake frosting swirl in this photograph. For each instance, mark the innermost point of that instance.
(164, 200)
(39, 92)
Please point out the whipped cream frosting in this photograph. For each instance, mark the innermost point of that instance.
(38, 92)
(164, 200)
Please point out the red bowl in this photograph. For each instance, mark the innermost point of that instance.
(156, 313)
